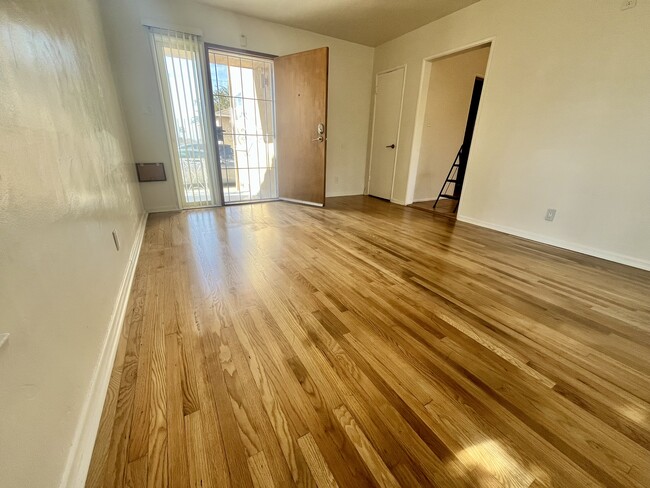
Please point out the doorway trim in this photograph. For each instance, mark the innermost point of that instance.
(418, 127)
(399, 127)
(237, 51)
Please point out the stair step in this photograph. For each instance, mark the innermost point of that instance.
(451, 197)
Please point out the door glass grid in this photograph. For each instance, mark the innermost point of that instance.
(242, 98)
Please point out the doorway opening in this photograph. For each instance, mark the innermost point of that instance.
(242, 106)
(221, 121)
(450, 97)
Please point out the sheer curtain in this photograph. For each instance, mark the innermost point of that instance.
(178, 65)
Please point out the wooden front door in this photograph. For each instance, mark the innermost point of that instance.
(301, 125)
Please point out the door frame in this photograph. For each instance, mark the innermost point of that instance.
(418, 126)
(399, 126)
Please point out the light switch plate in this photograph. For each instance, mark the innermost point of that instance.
(3, 339)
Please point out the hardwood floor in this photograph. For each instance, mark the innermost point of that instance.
(371, 344)
(444, 207)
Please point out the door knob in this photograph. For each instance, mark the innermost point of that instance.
(392, 146)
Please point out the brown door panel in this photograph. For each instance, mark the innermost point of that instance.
(301, 105)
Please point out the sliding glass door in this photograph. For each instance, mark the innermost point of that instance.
(178, 64)
(242, 104)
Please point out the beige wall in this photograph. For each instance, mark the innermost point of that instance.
(349, 91)
(564, 120)
(451, 82)
(66, 181)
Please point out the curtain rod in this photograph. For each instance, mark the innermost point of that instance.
(179, 28)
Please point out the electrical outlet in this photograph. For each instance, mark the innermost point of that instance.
(627, 4)
(550, 214)
(116, 240)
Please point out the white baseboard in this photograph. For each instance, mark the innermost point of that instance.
(571, 246)
(398, 202)
(76, 469)
(302, 202)
(343, 194)
(169, 208)
(417, 200)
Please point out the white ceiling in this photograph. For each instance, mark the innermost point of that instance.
(370, 22)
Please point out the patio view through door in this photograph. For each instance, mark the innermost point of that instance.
(242, 110)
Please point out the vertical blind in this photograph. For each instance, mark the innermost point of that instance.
(178, 65)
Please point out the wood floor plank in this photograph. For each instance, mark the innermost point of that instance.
(198, 467)
(157, 451)
(136, 473)
(369, 344)
(287, 428)
(234, 449)
(138, 436)
(295, 399)
(317, 464)
(208, 442)
(260, 471)
(378, 468)
(185, 330)
(248, 398)
(475, 448)
(178, 475)
(372, 401)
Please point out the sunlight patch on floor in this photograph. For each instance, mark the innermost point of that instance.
(492, 460)
(634, 413)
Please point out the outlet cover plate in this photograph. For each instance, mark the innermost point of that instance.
(550, 214)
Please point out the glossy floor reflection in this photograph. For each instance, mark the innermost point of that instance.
(368, 344)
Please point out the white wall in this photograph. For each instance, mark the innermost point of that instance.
(564, 120)
(451, 83)
(66, 181)
(349, 89)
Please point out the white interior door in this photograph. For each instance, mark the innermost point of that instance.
(388, 108)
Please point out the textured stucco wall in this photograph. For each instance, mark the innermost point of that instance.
(66, 181)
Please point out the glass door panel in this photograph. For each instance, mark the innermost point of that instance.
(242, 97)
